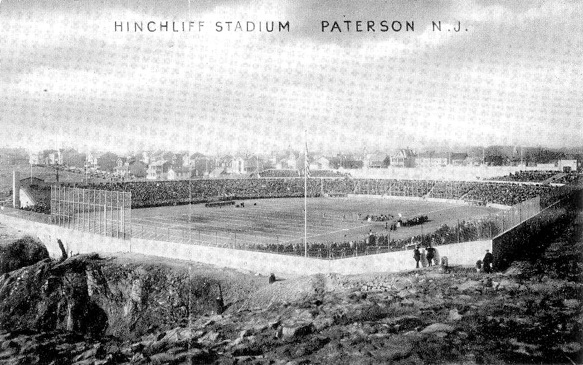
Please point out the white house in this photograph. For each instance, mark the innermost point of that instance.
(178, 173)
(432, 159)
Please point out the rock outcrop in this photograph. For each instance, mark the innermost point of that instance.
(20, 253)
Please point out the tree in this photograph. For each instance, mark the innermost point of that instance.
(73, 158)
(107, 161)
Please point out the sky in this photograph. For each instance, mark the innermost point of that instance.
(512, 75)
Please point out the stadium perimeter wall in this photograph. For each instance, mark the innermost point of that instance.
(83, 242)
(518, 240)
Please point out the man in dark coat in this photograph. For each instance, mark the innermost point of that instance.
(430, 255)
(417, 256)
(488, 261)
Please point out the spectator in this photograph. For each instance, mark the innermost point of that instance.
(488, 261)
(417, 256)
(430, 255)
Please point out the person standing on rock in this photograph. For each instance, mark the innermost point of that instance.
(417, 256)
(488, 261)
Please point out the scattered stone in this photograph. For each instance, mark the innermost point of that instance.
(469, 285)
(438, 327)
(571, 303)
(297, 330)
(454, 315)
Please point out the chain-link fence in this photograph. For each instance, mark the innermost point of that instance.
(97, 211)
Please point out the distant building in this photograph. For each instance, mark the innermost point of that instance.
(35, 158)
(178, 173)
(458, 158)
(157, 170)
(218, 172)
(375, 160)
(432, 159)
(403, 158)
(322, 163)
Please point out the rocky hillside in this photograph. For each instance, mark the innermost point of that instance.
(92, 310)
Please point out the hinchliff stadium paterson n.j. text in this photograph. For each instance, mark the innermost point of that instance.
(201, 26)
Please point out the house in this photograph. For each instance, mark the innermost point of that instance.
(178, 173)
(122, 171)
(289, 161)
(91, 162)
(323, 163)
(54, 157)
(432, 159)
(403, 158)
(218, 172)
(319, 163)
(253, 164)
(35, 158)
(375, 160)
(458, 158)
(233, 165)
(157, 170)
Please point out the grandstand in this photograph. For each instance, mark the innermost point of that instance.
(162, 193)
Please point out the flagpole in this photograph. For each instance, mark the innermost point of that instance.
(306, 194)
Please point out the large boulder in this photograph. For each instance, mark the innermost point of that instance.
(20, 253)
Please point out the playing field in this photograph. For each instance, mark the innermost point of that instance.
(264, 221)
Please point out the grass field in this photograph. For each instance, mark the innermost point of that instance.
(282, 220)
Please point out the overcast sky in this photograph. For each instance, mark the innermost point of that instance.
(513, 77)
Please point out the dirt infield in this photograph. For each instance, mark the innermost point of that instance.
(282, 220)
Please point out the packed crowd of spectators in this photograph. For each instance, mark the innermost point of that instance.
(326, 173)
(450, 190)
(160, 193)
(505, 194)
(527, 176)
(279, 173)
(465, 231)
(570, 178)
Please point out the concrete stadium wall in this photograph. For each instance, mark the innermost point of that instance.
(264, 263)
(466, 253)
(512, 244)
(74, 241)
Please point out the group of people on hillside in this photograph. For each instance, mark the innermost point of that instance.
(428, 256)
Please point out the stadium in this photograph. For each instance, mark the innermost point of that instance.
(344, 216)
